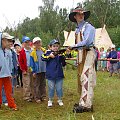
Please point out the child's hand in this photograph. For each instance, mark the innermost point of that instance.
(69, 48)
(60, 54)
(24, 73)
(51, 55)
(34, 75)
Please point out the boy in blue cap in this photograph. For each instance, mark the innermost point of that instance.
(54, 72)
(24, 61)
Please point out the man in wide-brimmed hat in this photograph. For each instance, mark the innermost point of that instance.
(84, 36)
(80, 12)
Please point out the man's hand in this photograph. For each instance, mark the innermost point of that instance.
(51, 55)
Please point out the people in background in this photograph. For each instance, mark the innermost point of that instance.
(113, 64)
(103, 56)
(108, 62)
(118, 57)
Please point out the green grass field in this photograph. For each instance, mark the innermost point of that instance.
(106, 102)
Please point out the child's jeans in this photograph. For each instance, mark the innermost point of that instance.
(4, 100)
(55, 85)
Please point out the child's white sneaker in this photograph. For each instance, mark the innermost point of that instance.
(49, 103)
(6, 104)
(60, 102)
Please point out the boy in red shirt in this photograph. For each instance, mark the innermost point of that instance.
(24, 61)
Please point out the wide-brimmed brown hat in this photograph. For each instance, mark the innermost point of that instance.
(78, 10)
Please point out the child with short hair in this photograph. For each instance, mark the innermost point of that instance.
(38, 70)
(24, 62)
(54, 72)
(5, 73)
(13, 69)
(17, 48)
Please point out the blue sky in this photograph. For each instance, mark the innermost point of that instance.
(13, 12)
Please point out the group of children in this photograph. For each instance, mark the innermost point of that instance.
(34, 65)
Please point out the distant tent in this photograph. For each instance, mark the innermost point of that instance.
(102, 38)
(69, 38)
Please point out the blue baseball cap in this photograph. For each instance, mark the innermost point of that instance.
(54, 41)
(25, 38)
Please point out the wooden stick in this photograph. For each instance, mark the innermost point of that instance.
(70, 59)
(97, 60)
(108, 59)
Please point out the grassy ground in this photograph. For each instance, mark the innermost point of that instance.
(106, 102)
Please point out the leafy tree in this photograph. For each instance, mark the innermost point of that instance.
(52, 20)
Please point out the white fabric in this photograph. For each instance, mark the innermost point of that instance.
(102, 38)
(88, 80)
(69, 38)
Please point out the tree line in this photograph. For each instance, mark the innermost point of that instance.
(53, 20)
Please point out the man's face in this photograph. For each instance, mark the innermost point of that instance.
(5, 43)
(55, 47)
(10, 44)
(79, 17)
(38, 44)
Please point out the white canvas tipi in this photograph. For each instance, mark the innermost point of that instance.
(69, 38)
(102, 38)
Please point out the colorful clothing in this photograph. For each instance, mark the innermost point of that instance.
(54, 74)
(35, 58)
(103, 63)
(13, 69)
(113, 64)
(24, 62)
(54, 69)
(5, 75)
(39, 67)
(118, 56)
